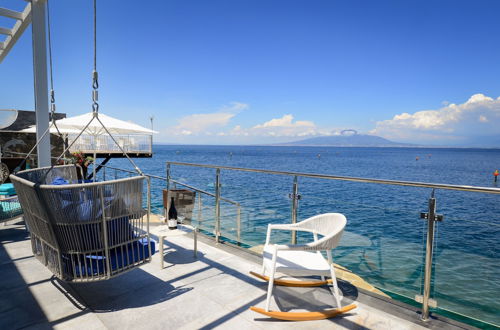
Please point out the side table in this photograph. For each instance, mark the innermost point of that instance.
(182, 229)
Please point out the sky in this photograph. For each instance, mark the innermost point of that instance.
(269, 71)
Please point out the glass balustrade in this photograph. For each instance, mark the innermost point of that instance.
(383, 248)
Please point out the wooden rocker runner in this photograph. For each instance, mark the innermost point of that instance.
(304, 260)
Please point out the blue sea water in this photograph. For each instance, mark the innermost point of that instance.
(384, 238)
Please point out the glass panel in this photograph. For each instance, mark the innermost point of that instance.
(466, 260)
(382, 244)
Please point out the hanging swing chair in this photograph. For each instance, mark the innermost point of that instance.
(85, 231)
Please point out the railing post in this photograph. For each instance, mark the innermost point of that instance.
(431, 218)
(217, 205)
(168, 176)
(238, 223)
(148, 216)
(295, 205)
(165, 211)
(199, 210)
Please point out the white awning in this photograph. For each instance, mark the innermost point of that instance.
(53, 130)
(73, 125)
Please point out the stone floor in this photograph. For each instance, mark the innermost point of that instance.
(212, 291)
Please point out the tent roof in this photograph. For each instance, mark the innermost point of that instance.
(75, 124)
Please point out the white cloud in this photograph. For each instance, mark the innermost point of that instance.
(199, 123)
(479, 115)
(284, 126)
(215, 128)
(483, 119)
(285, 121)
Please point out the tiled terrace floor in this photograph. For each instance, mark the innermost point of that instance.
(213, 291)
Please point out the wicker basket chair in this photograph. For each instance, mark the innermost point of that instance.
(84, 231)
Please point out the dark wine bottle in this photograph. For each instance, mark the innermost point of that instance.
(172, 215)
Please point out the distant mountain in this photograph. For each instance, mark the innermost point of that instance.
(355, 140)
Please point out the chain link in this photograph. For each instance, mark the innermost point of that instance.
(95, 76)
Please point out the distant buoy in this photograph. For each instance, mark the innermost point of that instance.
(319, 156)
(495, 175)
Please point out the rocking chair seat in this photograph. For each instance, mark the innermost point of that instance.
(298, 263)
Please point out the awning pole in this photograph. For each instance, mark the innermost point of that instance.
(40, 80)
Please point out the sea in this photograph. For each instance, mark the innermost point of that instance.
(384, 240)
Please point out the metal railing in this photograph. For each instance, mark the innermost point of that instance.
(169, 181)
(105, 144)
(431, 216)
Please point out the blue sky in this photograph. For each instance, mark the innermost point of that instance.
(266, 71)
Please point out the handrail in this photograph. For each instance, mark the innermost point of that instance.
(349, 178)
(176, 182)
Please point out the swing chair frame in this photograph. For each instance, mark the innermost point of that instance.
(85, 232)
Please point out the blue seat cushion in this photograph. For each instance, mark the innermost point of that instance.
(10, 209)
(7, 189)
(59, 181)
(120, 257)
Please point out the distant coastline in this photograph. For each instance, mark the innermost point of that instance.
(320, 146)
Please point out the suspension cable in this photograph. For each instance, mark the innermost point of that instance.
(95, 81)
(52, 92)
(52, 98)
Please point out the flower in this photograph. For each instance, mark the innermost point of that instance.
(80, 159)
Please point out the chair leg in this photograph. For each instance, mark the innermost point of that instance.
(271, 281)
(335, 286)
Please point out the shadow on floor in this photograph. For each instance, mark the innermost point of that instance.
(134, 289)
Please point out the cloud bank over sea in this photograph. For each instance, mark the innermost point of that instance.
(476, 122)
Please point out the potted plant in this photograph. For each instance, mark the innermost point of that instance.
(78, 158)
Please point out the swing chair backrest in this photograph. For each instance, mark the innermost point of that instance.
(78, 228)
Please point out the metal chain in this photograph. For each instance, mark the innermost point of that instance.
(95, 76)
(52, 93)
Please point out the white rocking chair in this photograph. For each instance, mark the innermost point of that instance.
(304, 260)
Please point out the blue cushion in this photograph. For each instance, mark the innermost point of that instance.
(119, 257)
(59, 181)
(7, 189)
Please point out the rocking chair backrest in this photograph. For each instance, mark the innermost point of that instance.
(328, 225)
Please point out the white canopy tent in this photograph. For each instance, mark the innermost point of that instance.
(74, 125)
(94, 141)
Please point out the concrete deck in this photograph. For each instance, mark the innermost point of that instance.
(213, 291)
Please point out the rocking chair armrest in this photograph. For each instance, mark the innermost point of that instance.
(290, 227)
(291, 247)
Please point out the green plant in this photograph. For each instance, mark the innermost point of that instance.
(80, 159)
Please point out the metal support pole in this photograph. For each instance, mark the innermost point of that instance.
(295, 205)
(40, 80)
(238, 223)
(165, 211)
(168, 176)
(151, 136)
(199, 210)
(217, 205)
(148, 216)
(432, 218)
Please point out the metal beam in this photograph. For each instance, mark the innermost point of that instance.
(17, 31)
(38, 12)
(5, 31)
(11, 14)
